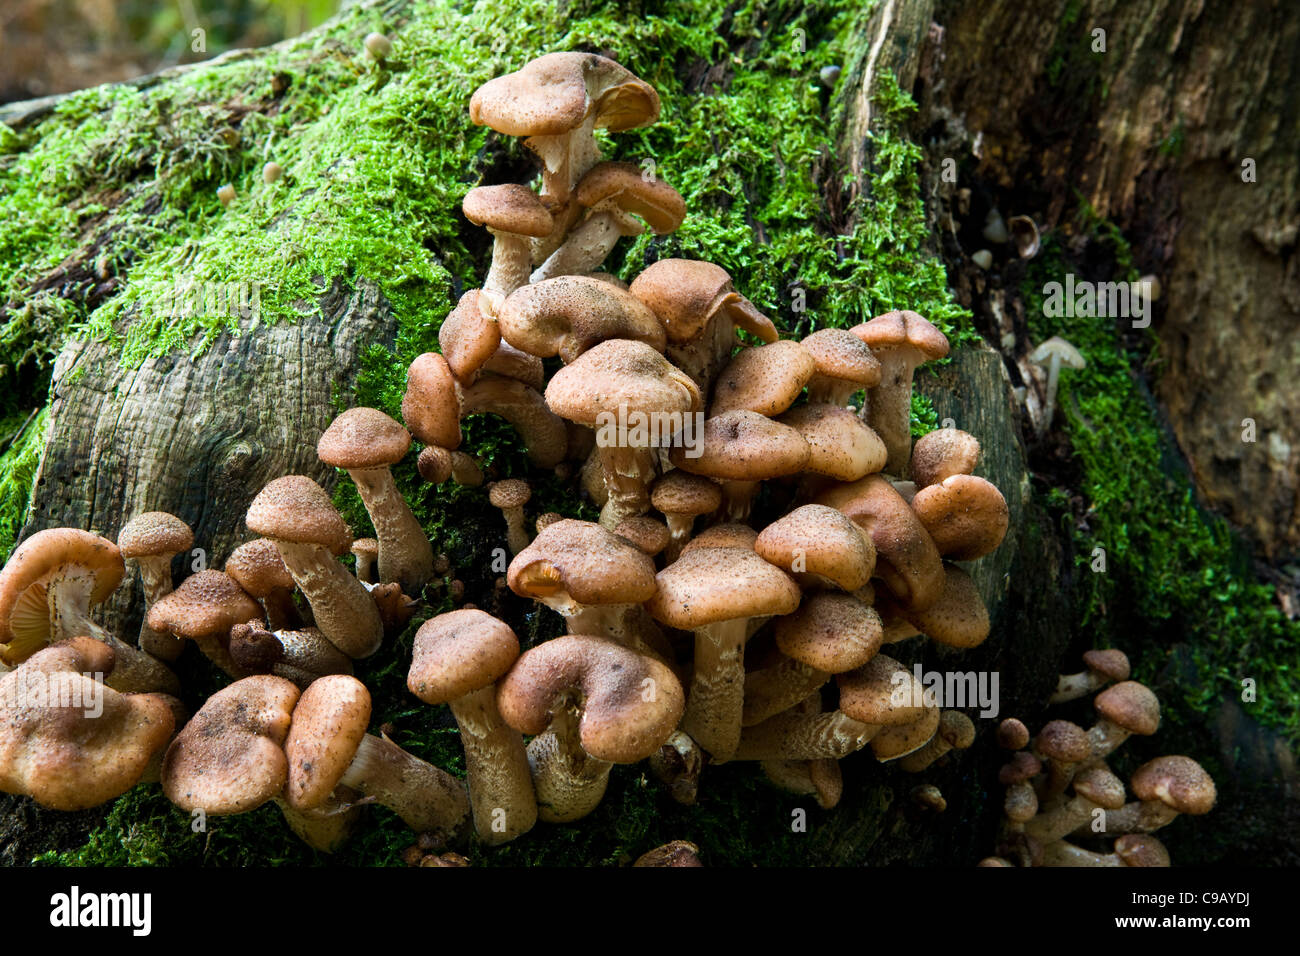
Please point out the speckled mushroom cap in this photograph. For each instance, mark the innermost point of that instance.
(661, 206)
(1063, 741)
(328, 723)
(708, 585)
(831, 632)
(727, 535)
(766, 379)
(840, 445)
(965, 516)
(881, 691)
(906, 558)
(363, 438)
(258, 568)
(294, 508)
(206, 604)
(620, 722)
(903, 739)
(61, 756)
(620, 374)
(430, 407)
(686, 294)
(1130, 705)
(1098, 785)
(1176, 781)
(959, 618)
(741, 445)
(1108, 662)
(823, 542)
(361, 548)
(434, 464)
(229, 758)
(556, 93)
(154, 534)
(842, 356)
(35, 562)
(458, 653)
(956, 729)
(582, 559)
(510, 208)
(568, 315)
(1141, 849)
(941, 454)
(469, 337)
(649, 535)
(680, 492)
(903, 331)
(510, 493)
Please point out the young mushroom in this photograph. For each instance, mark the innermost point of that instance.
(941, 454)
(366, 551)
(510, 496)
(1102, 667)
(46, 592)
(299, 517)
(257, 567)
(1053, 354)
(1095, 788)
(458, 659)
(1125, 709)
(69, 742)
(327, 746)
(593, 703)
(1164, 787)
(367, 443)
(682, 497)
(844, 365)
(153, 539)
(512, 214)
(297, 655)
(965, 516)
(204, 609)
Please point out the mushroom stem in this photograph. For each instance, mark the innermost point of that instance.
(1136, 816)
(570, 783)
(1073, 686)
(796, 736)
(1049, 400)
(737, 498)
(1061, 853)
(324, 829)
(512, 257)
(341, 605)
(680, 527)
(426, 798)
(405, 554)
(500, 784)
(516, 532)
(888, 410)
(134, 672)
(717, 695)
(774, 689)
(1052, 825)
(584, 249)
(628, 473)
(156, 576)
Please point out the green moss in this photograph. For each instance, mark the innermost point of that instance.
(23, 438)
(1175, 574)
(376, 164)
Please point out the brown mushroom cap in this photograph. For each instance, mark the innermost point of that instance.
(649, 535)
(941, 454)
(229, 758)
(1063, 742)
(328, 724)
(568, 315)
(361, 548)
(1110, 663)
(616, 375)
(766, 379)
(831, 632)
(823, 542)
(556, 93)
(1130, 705)
(741, 445)
(661, 206)
(727, 535)
(510, 208)
(883, 692)
(363, 438)
(430, 407)
(1098, 785)
(965, 516)
(1178, 782)
(510, 493)
(258, 568)
(709, 585)
(842, 356)
(154, 534)
(1023, 766)
(458, 653)
(903, 739)
(1012, 734)
(620, 722)
(206, 604)
(434, 464)
(295, 508)
(840, 445)
(469, 337)
(582, 559)
(902, 331)
(55, 748)
(959, 618)
(680, 492)
(1141, 849)
(686, 294)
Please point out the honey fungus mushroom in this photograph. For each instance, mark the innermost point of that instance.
(299, 517)
(512, 214)
(204, 609)
(592, 703)
(47, 590)
(367, 443)
(153, 539)
(69, 742)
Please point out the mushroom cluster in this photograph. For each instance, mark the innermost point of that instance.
(1061, 793)
(760, 540)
